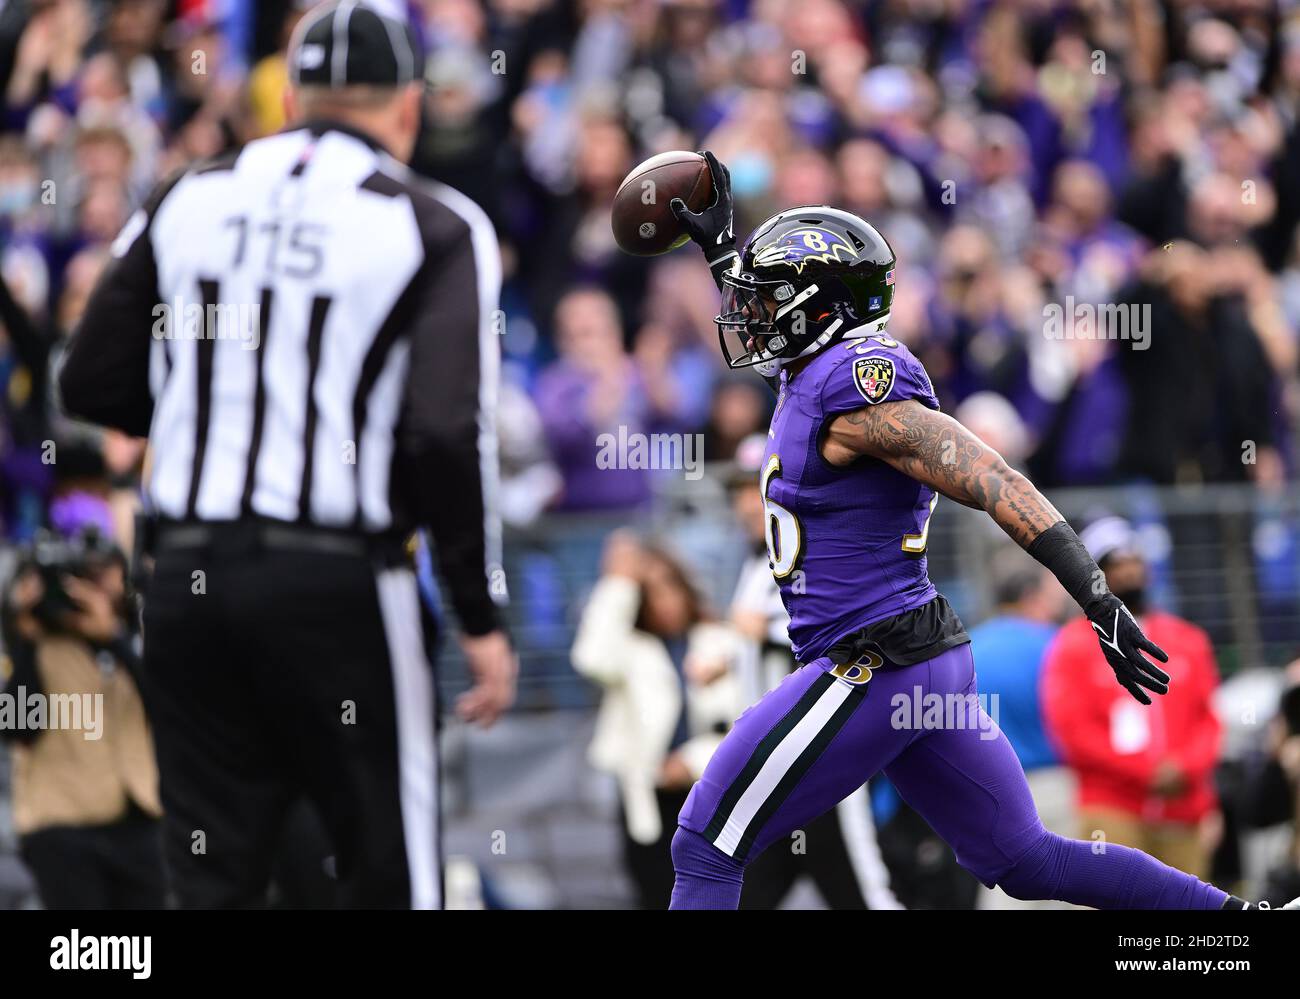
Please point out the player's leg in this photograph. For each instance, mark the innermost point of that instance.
(807, 744)
(965, 779)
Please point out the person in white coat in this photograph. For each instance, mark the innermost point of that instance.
(669, 696)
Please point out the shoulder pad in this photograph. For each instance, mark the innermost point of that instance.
(871, 370)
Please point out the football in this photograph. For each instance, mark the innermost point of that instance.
(643, 223)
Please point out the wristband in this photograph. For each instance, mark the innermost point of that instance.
(722, 263)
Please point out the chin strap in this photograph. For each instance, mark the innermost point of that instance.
(771, 368)
(828, 336)
(822, 340)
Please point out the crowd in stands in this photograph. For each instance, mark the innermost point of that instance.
(1020, 155)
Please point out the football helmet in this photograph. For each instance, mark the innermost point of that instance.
(805, 277)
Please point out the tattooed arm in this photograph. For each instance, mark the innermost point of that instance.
(937, 450)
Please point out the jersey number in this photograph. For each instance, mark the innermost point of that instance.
(296, 249)
(914, 544)
(785, 534)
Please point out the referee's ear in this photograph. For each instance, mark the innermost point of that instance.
(290, 101)
(409, 107)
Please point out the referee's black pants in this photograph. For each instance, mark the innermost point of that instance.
(274, 674)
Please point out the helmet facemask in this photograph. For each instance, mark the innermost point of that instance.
(753, 327)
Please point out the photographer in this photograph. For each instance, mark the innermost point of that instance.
(1272, 791)
(85, 786)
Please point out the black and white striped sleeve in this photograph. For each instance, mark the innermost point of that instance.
(105, 373)
(447, 436)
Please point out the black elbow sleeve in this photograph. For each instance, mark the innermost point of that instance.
(1060, 550)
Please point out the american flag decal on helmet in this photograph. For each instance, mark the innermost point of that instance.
(889, 277)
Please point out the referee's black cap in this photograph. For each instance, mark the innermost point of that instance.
(348, 44)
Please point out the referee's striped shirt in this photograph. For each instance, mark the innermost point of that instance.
(304, 331)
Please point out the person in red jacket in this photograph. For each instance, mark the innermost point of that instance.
(1145, 772)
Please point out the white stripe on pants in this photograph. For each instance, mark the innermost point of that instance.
(417, 742)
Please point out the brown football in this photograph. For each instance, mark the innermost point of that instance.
(643, 223)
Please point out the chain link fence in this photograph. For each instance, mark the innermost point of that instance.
(1226, 558)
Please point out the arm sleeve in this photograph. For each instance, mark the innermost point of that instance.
(871, 371)
(447, 438)
(105, 375)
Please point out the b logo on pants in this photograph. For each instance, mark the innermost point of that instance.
(858, 672)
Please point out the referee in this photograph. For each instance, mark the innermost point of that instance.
(304, 332)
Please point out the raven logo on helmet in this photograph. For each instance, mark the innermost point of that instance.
(797, 247)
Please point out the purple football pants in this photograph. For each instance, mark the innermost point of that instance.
(825, 730)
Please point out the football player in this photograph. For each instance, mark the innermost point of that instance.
(857, 457)
(838, 851)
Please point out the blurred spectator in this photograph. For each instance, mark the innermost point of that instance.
(1000, 204)
(49, 54)
(975, 345)
(1273, 795)
(34, 431)
(1009, 651)
(1203, 397)
(574, 242)
(85, 784)
(668, 697)
(596, 388)
(1145, 772)
(996, 422)
(268, 79)
(529, 480)
(740, 407)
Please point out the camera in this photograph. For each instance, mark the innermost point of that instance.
(85, 555)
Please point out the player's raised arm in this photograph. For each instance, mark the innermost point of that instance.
(939, 451)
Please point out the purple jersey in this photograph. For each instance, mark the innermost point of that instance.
(847, 545)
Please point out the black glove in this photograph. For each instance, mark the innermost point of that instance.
(711, 228)
(1123, 643)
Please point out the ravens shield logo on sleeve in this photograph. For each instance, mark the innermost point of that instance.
(874, 377)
